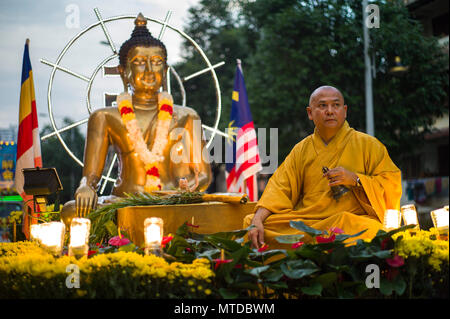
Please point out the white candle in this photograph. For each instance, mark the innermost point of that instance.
(153, 232)
(440, 218)
(79, 237)
(410, 215)
(391, 219)
(52, 236)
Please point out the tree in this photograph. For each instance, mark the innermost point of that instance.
(53, 155)
(291, 47)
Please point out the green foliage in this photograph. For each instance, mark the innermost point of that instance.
(54, 155)
(104, 218)
(289, 48)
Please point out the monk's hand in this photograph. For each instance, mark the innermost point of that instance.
(85, 200)
(341, 176)
(256, 234)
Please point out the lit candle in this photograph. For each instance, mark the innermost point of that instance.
(52, 236)
(440, 219)
(409, 214)
(153, 233)
(79, 237)
(391, 219)
(35, 232)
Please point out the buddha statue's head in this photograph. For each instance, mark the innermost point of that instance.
(143, 62)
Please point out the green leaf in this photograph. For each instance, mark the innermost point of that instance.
(342, 237)
(326, 280)
(257, 271)
(299, 225)
(111, 228)
(273, 275)
(386, 287)
(314, 290)
(297, 269)
(289, 239)
(309, 251)
(228, 294)
(129, 247)
(399, 285)
(232, 234)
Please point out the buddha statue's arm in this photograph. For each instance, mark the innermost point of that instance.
(193, 166)
(95, 151)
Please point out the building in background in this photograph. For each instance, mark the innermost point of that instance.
(8, 150)
(426, 176)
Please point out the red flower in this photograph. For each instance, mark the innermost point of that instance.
(165, 240)
(322, 240)
(391, 274)
(396, 261)
(336, 230)
(192, 225)
(188, 249)
(239, 266)
(153, 171)
(384, 243)
(125, 110)
(297, 245)
(117, 241)
(167, 108)
(91, 252)
(263, 248)
(220, 262)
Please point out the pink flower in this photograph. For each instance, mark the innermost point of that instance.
(166, 240)
(297, 245)
(263, 248)
(117, 241)
(322, 240)
(396, 261)
(336, 230)
(221, 261)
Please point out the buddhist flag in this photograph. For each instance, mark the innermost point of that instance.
(241, 173)
(28, 142)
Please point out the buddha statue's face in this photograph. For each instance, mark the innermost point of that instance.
(145, 70)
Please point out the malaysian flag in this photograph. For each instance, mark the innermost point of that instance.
(241, 173)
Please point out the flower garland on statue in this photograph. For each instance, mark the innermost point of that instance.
(153, 157)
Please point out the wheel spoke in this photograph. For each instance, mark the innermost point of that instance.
(107, 178)
(203, 71)
(105, 31)
(166, 20)
(64, 129)
(85, 78)
(216, 131)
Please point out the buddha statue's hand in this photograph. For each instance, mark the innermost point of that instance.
(85, 199)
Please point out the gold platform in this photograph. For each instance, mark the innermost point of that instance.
(211, 217)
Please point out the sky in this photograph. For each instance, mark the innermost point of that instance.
(51, 25)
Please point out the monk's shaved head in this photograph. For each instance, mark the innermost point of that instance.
(322, 89)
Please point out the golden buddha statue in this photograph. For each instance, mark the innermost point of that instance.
(146, 131)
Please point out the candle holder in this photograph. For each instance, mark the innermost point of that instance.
(79, 237)
(440, 221)
(409, 214)
(392, 218)
(51, 236)
(153, 233)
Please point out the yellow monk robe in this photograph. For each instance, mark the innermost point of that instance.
(298, 191)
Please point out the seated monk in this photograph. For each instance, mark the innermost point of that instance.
(300, 189)
(157, 143)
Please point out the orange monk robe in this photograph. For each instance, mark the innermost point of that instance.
(298, 191)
